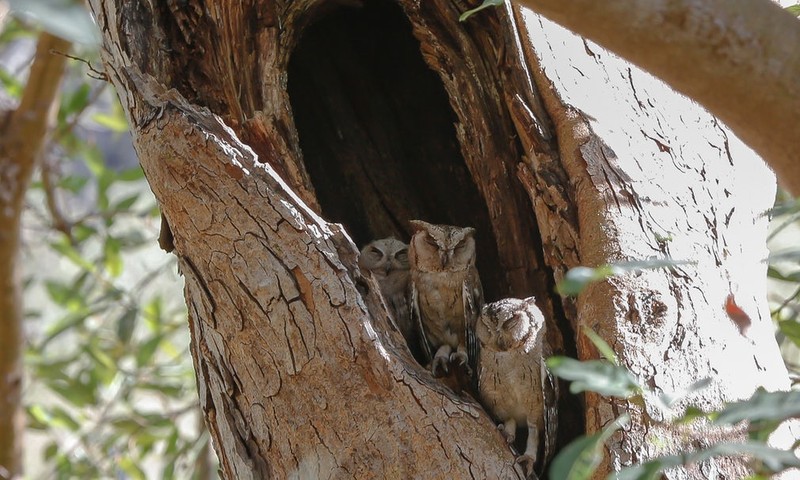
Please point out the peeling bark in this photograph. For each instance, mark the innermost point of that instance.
(299, 371)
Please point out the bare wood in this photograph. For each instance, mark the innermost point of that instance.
(735, 57)
(22, 136)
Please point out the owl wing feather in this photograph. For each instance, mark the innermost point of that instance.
(416, 320)
(550, 406)
(472, 296)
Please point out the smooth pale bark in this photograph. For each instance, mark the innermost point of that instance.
(653, 175)
(298, 370)
(738, 58)
(21, 139)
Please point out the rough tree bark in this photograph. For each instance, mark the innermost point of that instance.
(23, 132)
(254, 118)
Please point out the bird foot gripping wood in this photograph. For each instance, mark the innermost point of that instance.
(508, 432)
(439, 366)
(461, 359)
(527, 463)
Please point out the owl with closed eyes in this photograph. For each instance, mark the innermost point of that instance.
(387, 259)
(446, 293)
(513, 381)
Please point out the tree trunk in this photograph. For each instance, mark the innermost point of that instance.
(254, 119)
(23, 132)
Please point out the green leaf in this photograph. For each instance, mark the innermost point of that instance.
(75, 102)
(113, 258)
(691, 414)
(670, 399)
(602, 346)
(791, 330)
(73, 183)
(51, 451)
(787, 255)
(65, 324)
(650, 470)
(115, 123)
(11, 84)
(125, 204)
(128, 466)
(485, 4)
(61, 418)
(595, 375)
(104, 367)
(63, 295)
(68, 251)
(578, 278)
(132, 174)
(126, 324)
(38, 418)
(774, 459)
(77, 393)
(794, 10)
(763, 407)
(579, 459)
(63, 18)
(145, 353)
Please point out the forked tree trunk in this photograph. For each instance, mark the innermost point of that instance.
(255, 120)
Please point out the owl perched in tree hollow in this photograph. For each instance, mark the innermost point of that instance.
(387, 259)
(446, 293)
(513, 381)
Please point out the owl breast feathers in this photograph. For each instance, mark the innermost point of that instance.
(513, 381)
(446, 293)
(387, 260)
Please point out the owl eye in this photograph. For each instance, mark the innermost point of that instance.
(430, 241)
(512, 323)
(402, 255)
(377, 254)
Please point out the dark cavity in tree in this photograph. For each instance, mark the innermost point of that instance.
(377, 132)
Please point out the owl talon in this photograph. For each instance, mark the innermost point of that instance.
(459, 358)
(527, 463)
(508, 435)
(439, 367)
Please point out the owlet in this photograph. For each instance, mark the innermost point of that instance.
(446, 293)
(387, 259)
(513, 381)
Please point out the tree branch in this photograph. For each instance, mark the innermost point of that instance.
(21, 138)
(738, 58)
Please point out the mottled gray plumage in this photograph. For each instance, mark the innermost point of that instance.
(446, 293)
(387, 259)
(513, 381)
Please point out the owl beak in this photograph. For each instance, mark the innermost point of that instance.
(501, 345)
(445, 256)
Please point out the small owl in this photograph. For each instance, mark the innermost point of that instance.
(446, 293)
(513, 381)
(387, 259)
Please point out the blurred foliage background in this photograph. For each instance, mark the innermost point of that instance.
(109, 388)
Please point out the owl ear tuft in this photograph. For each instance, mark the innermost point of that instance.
(417, 225)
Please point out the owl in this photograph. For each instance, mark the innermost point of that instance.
(513, 382)
(387, 259)
(446, 293)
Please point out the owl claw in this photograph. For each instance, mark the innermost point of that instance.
(459, 358)
(509, 436)
(527, 463)
(439, 366)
